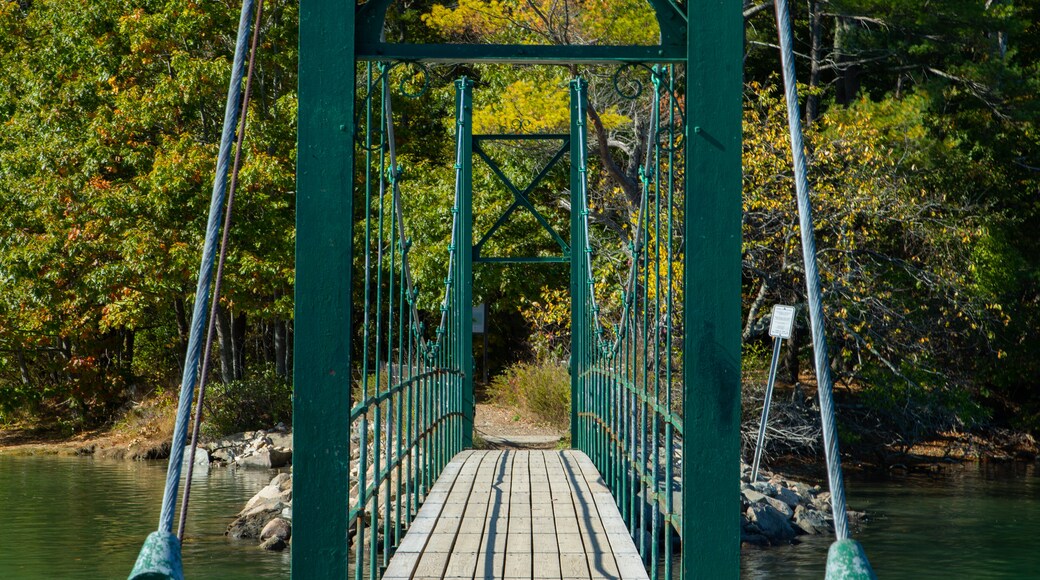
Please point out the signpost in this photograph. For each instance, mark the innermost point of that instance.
(480, 327)
(780, 326)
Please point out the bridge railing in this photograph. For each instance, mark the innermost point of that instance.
(410, 412)
(628, 397)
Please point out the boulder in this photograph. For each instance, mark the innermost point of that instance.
(753, 496)
(283, 440)
(267, 497)
(773, 524)
(252, 522)
(810, 521)
(780, 507)
(201, 457)
(764, 487)
(266, 457)
(276, 528)
(274, 544)
(282, 481)
(788, 497)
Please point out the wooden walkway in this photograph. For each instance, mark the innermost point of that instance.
(518, 514)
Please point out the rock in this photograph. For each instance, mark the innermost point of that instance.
(276, 528)
(788, 497)
(780, 507)
(201, 460)
(283, 440)
(265, 458)
(282, 481)
(774, 525)
(753, 496)
(764, 487)
(810, 521)
(822, 501)
(274, 544)
(251, 523)
(267, 497)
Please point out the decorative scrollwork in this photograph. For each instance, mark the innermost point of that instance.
(520, 125)
(418, 71)
(626, 84)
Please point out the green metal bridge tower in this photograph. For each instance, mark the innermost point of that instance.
(706, 36)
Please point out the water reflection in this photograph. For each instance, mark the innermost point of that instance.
(76, 518)
(79, 518)
(974, 522)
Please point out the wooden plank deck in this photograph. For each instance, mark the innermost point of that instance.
(539, 515)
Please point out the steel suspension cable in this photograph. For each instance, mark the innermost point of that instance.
(160, 553)
(219, 278)
(209, 250)
(846, 559)
(825, 385)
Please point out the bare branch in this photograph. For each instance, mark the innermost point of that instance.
(751, 11)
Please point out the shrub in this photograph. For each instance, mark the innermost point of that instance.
(542, 389)
(260, 401)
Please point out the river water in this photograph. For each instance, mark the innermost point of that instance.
(81, 518)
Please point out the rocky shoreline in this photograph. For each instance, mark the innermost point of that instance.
(775, 510)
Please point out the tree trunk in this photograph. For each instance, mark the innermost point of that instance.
(848, 74)
(225, 346)
(280, 358)
(238, 345)
(182, 323)
(812, 101)
(128, 350)
(23, 368)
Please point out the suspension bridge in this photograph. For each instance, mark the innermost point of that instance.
(386, 484)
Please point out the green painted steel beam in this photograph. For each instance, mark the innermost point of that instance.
(518, 53)
(523, 260)
(578, 274)
(522, 137)
(464, 87)
(712, 275)
(371, 19)
(324, 232)
(521, 197)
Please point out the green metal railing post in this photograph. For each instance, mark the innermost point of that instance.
(712, 277)
(578, 274)
(464, 89)
(324, 237)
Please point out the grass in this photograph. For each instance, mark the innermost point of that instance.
(540, 389)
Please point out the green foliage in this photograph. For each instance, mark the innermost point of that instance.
(109, 116)
(542, 389)
(263, 400)
(924, 147)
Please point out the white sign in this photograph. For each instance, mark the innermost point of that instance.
(782, 321)
(479, 316)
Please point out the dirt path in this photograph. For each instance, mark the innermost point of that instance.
(504, 428)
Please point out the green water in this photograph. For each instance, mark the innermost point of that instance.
(972, 522)
(79, 518)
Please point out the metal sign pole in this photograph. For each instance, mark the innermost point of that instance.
(765, 408)
(780, 325)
